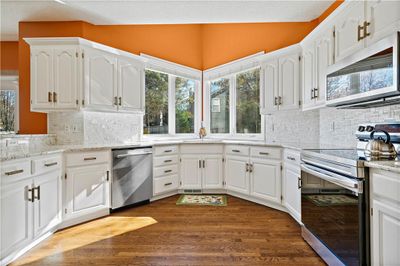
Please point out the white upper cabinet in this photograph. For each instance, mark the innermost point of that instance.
(66, 78)
(100, 76)
(289, 82)
(323, 58)
(42, 78)
(130, 85)
(347, 30)
(308, 76)
(70, 73)
(384, 19)
(271, 90)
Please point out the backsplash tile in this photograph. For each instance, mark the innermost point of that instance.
(68, 126)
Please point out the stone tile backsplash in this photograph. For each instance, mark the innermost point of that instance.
(67, 126)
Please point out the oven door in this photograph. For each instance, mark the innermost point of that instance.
(333, 212)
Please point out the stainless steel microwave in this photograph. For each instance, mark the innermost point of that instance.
(368, 78)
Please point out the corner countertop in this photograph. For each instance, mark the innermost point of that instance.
(23, 151)
(392, 166)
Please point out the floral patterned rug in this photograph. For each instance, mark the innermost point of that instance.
(208, 200)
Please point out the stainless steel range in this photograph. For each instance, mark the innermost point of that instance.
(335, 199)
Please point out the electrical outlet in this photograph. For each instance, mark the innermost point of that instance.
(67, 128)
(75, 128)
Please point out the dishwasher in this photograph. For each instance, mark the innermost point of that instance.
(132, 181)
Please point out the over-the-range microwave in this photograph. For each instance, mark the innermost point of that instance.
(368, 78)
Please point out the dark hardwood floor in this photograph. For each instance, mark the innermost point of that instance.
(162, 233)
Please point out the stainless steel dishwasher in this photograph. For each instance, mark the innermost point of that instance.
(132, 180)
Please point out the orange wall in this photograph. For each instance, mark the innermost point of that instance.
(9, 55)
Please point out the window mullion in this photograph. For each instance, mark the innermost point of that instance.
(232, 113)
(171, 104)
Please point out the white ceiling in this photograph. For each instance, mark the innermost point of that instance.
(103, 12)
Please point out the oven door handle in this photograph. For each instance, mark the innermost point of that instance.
(348, 183)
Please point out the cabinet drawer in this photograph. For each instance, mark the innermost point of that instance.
(291, 157)
(87, 158)
(165, 150)
(165, 160)
(46, 164)
(165, 170)
(386, 184)
(202, 148)
(165, 183)
(237, 150)
(266, 152)
(15, 170)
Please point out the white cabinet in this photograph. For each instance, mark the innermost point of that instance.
(16, 216)
(281, 82)
(237, 174)
(308, 76)
(348, 31)
(130, 84)
(100, 76)
(87, 190)
(291, 188)
(201, 172)
(265, 179)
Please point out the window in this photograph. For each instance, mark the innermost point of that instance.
(248, 117)
(234, 104)
(9, 105)
(156, 105)
(219, 113)
(184, 105)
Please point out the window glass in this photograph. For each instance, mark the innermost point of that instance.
(219, 106)
(184, 105)
(248, 118)
(8, 105)
(156, 104)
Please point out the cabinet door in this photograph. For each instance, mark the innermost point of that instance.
(346, 30)
(324, 58)
(385, 234)
(384, 17)
(87, 189)
(292, 193)
(100, 74)
(266, 180)
(212, 171)
(42, 83)
(308, 76)
(191, 172)
(289, 82)
(236, 176)
(65, 78)
(47, 204)
(270, 86)
(130, 86)
(16, 216)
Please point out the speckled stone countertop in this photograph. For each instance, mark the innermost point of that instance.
(392, 166)
(26, 151)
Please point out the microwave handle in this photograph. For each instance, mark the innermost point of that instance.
(350, 184)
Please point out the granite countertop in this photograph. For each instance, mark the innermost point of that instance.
(393, 166)
(26, 151)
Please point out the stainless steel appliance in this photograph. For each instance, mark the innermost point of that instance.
(132, 180)
(367, 78)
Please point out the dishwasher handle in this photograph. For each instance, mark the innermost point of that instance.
(119, 156)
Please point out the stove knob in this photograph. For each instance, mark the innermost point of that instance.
(361, 128)
(369, 128)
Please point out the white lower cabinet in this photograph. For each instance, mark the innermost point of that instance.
(265, 179)
(87, 190)
(212, 172)
(292, 192)
(191, 169)
(236, 174)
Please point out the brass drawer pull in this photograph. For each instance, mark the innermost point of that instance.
(115, 100)
(55, 97)
(167, 171)
(89, 158)
(291, 158)
(120, 101)
(167, 161)
(235, 150)
(359, 37)
(29, 194)
(50, 97)
(168, 151)
(366, 33)
(50, 164)
(15, 172)
(168, 184)
(38, 192)
(264, 153)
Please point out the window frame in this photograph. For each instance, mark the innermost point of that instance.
(232, 108)
(11, 82)
(173, 71)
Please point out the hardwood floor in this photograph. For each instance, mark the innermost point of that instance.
(162, 233)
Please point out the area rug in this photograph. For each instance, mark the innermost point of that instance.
(206, 200)
(328, 200)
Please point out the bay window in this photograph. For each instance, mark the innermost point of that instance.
(9, 104)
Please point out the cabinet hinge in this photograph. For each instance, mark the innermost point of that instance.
(372, 211)
(223, 160)
(65, 211)
(299, 57)
(83, 102)
(65, 176)
(281, 198)
(83, 55)
(76, 54)
(77, 101)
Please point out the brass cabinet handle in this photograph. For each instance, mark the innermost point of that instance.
(276, 101)
(167, 161)
(299, 183)
(264, 153)
(50, 97)
(312, 93)
(366, 33)
(359, 37)
(204, 164)
(168, 151)
(120, 101)
(115, 100)
(108, 176)
(89, 158)
(199, 163)
(38, 192)
(235, 150)
(29, 192)
(168, 184)
(247, 167)
(316, 93)
(50, 164)
(251, 167)
(15, 172)
(167, 171)
(55, 97)
(291, 158)
(280, 100)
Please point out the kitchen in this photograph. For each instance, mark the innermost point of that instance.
(119, 117)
